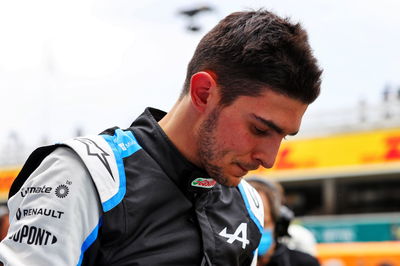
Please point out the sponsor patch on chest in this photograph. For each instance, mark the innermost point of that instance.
(204, 182)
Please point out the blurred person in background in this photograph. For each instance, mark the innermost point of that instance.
(168, 190)
(277, 218)
(298, 237)
(301, 239)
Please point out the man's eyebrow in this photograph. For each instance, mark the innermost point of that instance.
(273, 126)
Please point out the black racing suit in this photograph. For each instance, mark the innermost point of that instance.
(143, 204)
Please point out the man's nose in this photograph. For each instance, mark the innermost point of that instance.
(266, 151)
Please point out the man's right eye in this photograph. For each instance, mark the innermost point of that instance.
(260, 132)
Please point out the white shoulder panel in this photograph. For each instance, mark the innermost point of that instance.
(101, 163)
(55, 215)
(103, 156)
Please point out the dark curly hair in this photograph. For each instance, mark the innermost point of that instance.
(254, 50)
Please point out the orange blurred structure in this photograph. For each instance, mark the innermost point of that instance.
(339, 155)
(359, 254)
(7, 176)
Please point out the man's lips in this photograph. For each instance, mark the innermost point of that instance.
(246, 168)
(243, 169)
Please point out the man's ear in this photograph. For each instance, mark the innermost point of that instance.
(202, 86)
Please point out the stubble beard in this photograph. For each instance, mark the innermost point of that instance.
(208, 147)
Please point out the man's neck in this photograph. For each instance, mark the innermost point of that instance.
(180, 124)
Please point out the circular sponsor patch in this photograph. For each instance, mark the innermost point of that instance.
(62, 191)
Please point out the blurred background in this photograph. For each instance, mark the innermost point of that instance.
(71, 68)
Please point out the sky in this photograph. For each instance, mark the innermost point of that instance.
(90, 65)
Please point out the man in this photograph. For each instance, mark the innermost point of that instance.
(169, 190)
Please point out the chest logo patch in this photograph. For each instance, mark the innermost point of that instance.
(204, 182)
(239, 235)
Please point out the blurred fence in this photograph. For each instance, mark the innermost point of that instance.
(14, 150)
(357, 118)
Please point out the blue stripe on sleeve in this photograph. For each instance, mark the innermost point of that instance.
(90, 240)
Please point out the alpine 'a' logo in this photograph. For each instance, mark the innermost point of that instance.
(204, 182)
(241, 230)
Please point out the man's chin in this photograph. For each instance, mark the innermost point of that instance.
(232, 181)
(228, 180)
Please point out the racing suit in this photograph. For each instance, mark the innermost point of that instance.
(127, 197)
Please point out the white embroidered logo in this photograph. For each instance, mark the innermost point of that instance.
(241, 230)
(122, 146)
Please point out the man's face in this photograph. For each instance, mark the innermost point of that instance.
(246, 134)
